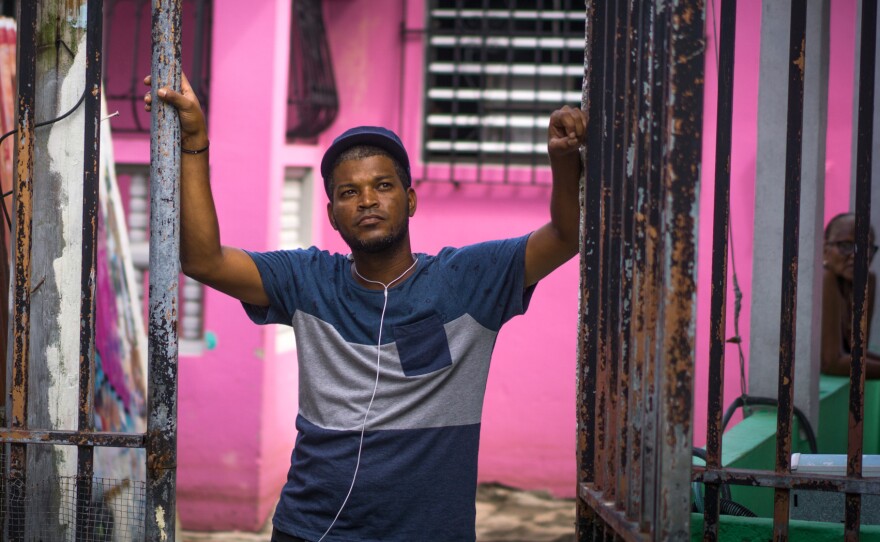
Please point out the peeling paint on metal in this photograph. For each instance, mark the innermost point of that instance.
(160, 520)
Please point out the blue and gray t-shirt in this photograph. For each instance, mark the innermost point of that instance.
(418, 474)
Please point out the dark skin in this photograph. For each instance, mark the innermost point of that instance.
(369, 202)
(837, 291)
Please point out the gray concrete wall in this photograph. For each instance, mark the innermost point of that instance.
(769, 204)
(55, 257)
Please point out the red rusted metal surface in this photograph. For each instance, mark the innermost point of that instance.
(23, 194)
(763, 478)
(681, 177)
(73, 438)
(639, 234)
(588, 348)
(612, 517)
(638, 284)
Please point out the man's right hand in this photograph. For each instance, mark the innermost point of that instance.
(193, 131)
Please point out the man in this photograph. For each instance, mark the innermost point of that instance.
(394, 347)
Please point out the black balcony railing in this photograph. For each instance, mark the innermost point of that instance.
(312, 99)
(127, 42)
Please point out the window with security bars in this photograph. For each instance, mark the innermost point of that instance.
(296, 231)
(127, 54)
(134, 181)
(495, 70)
(312, 99)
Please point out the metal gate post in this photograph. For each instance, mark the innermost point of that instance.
(164, 277)
(862, 261)
(91, 175)
(24, 170)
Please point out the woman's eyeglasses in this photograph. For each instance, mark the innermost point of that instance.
(846, 248)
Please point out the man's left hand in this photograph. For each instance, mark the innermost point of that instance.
(566, 132)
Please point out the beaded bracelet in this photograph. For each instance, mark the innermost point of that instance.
(198, 151)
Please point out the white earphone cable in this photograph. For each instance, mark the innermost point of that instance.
(375, 386)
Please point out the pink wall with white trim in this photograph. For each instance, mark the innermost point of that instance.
(238, 401)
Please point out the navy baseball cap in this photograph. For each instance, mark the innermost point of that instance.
(375, 136)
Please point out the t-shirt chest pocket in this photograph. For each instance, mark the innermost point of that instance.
(422, 346)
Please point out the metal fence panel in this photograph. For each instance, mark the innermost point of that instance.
(83, 500)
(644, 98)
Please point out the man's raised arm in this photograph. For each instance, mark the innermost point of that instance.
(556, 242)
(202, 257)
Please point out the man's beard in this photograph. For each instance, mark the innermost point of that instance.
(375, 246)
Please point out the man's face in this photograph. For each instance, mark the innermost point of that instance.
(370, 207)
(839, 252)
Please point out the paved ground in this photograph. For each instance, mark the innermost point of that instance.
(503, 515)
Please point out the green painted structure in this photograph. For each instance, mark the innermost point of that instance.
(751, 444)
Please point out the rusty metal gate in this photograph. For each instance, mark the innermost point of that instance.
(643, 90)
(643, 94)
(160, 438)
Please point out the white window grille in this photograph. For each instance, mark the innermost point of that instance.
(296, 231)
(191, 322)
(494, 73)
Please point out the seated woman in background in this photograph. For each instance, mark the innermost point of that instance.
(837, 298)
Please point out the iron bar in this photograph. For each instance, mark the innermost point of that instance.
(23, 186)
(720, 235)
(613, 261)
(602, 434)
(164, 279)
(612, 517)
(590, 262)
(627, 409)
(859, 328)
(763, 478)
(430, 56)
(73, 438)
(680, 180)
(791, 226)
(456, 83)
(654, 242)
(536, 87)
(641, 167)
(91, 174)
(481, 105)
(508, 129)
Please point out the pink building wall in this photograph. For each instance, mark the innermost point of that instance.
(238, 401)
(742, 178)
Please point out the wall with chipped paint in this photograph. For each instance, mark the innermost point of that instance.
(238, 402)
(56, 252)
